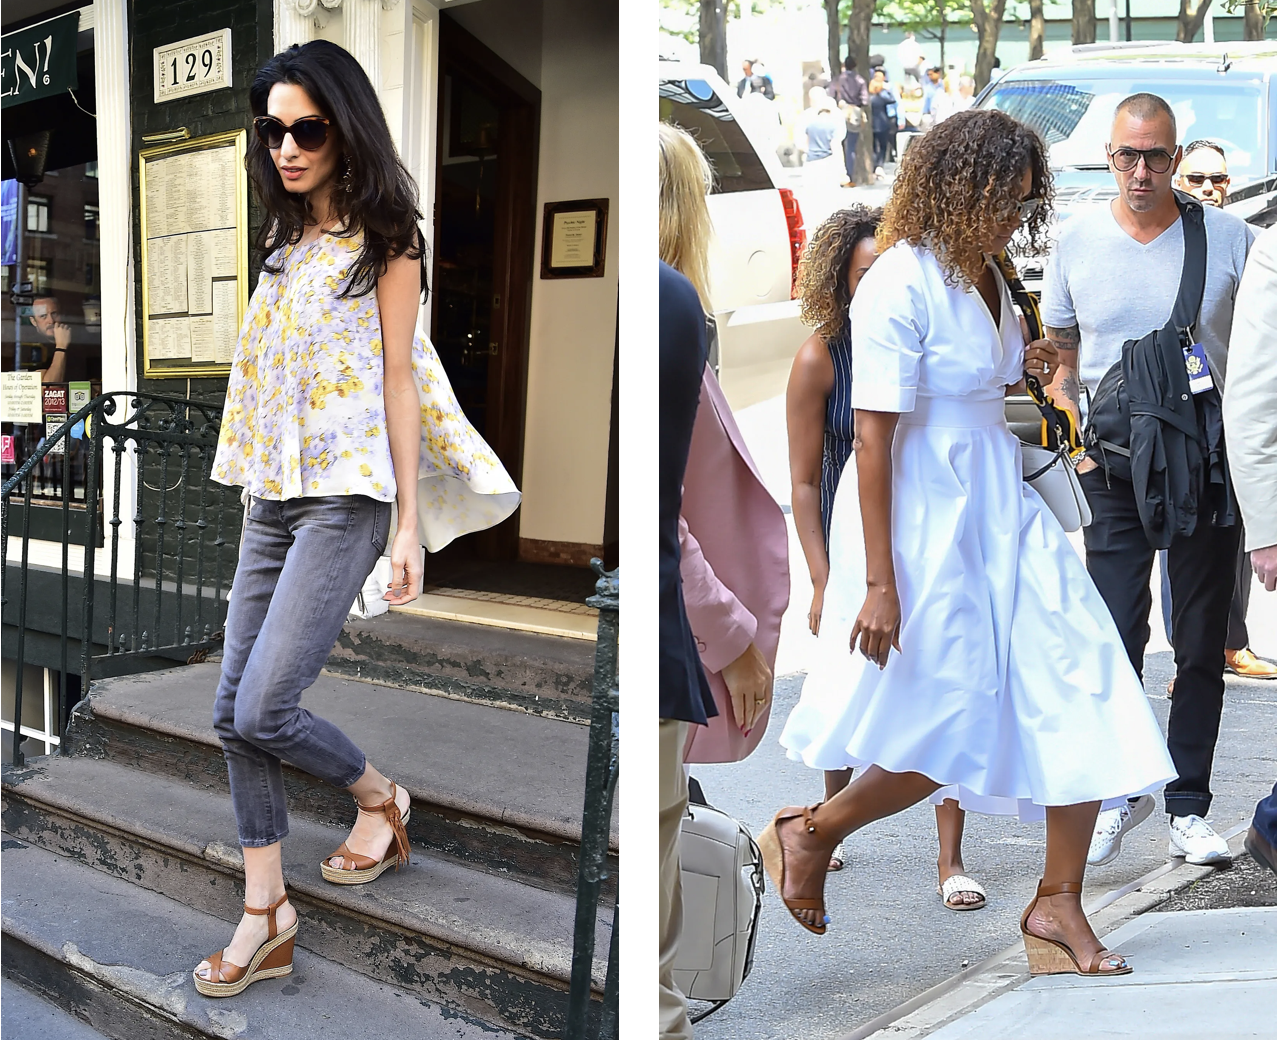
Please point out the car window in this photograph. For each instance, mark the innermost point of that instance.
(1075, 117)
(693, 106)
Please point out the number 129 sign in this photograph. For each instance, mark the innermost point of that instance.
(202, 63)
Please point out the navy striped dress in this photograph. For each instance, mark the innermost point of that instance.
(837, 439)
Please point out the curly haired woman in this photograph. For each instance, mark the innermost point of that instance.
(820, 442)
(989, 662)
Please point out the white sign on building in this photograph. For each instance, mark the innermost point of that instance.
(192, 66)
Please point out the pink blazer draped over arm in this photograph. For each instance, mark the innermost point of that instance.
(733, 564)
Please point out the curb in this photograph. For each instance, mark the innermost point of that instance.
(972, 988)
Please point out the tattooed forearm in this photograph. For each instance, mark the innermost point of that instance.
(1070, 385)
(1064, 338)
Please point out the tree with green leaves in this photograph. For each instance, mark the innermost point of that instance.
(932, 19)
(1035, 32)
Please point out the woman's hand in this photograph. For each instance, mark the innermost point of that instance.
(1041, 360)
(815, 607)
(750, 684)
(406, 567)
(878, 624)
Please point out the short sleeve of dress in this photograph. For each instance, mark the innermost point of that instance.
(887, 328)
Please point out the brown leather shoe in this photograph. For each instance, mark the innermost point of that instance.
(1246, 665)
(1262, 850)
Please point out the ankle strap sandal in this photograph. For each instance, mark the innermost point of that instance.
(1051, 957)
(360, 869)
(272, 960)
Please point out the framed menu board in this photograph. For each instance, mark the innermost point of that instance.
(195, 254)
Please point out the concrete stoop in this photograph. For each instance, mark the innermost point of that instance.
(476, 931)
(119, 958)
(517, 670)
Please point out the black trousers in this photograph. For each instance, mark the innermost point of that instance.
(1202, 579)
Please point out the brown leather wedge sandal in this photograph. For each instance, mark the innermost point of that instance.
(272, 960)
(771, 851)
(1050, 957)
(359, 869)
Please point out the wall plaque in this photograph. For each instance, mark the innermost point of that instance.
(192, 66)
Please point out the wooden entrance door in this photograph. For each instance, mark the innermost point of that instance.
(486, 178)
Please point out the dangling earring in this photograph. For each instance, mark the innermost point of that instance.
(346, 181)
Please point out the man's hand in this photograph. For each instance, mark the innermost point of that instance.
(61, 336)
(750, 684)
(1263, 561)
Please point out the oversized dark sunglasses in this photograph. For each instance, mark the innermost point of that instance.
(1198, 179)
(1157, 160)
(309, 132)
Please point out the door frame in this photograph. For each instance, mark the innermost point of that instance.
(462, 55)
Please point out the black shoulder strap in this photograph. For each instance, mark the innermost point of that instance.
(1195, 255)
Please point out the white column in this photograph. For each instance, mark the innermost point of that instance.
(362, 20)
(115, 202)
(1208, 26)
(291, 27)
(1114, 19)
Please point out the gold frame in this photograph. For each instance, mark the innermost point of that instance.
(239, 139)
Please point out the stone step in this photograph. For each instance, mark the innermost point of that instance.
(498, 790)
(517, 670)
(29, 1015)
(484, 944)
(119, 958)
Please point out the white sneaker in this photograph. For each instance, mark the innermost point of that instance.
(1197, 842)
(1113, 824)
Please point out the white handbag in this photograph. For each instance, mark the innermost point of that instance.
(369, 602)
(1051, 474)
(722, 883)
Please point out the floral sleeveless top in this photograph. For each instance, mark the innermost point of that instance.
(304, 414)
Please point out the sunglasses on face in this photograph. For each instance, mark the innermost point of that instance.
(1157, 160)
(309, 133)
(1197, 180)
(1026, 208)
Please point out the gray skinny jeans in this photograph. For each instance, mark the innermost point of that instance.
(302, 563)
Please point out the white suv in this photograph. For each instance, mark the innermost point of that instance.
(759, 233)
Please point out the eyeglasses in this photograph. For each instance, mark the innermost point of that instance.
(1197, 180)
(1157, 160)
(309, 133)
(1026, 208)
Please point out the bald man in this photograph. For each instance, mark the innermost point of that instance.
(1203, 173)
(1112, 278)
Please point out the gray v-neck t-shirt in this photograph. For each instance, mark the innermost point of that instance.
(1117, 289)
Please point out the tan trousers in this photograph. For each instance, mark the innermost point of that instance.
(673, 799)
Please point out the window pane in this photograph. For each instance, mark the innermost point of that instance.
(694, 107)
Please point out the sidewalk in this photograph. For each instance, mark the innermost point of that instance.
(1199, 974)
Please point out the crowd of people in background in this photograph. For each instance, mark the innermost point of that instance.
(897, 300)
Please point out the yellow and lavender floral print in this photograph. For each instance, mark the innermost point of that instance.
(304, 415)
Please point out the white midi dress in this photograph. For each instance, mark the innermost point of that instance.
(1012, 690)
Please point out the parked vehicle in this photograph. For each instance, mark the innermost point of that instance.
(759, 230)
(1224, 92)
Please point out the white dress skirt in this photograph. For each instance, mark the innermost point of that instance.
(1012, 690)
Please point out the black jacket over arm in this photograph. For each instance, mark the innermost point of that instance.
(683, 692)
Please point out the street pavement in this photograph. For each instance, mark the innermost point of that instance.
(890, 937)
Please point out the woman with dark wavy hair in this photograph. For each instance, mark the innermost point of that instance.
(338, 413)
(820, 442)
(988, 660)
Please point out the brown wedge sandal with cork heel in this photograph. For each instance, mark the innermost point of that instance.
(1050, 957)
(272, 960)
(359, 869)
(775, 863)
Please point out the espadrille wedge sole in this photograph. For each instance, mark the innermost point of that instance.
(272, 960)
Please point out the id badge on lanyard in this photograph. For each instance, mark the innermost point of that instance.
(1198, 373)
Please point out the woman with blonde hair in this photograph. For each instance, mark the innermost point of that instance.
(988, 660)
(733, 536)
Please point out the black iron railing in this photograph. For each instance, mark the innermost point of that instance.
(186, 535)
(597, 813)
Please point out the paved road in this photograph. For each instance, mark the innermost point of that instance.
(891, 938)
